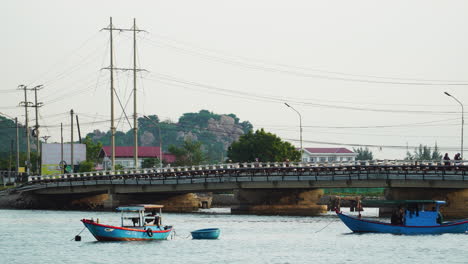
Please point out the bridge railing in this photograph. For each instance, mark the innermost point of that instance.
(201, 169)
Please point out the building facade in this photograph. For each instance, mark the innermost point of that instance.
(328, 155)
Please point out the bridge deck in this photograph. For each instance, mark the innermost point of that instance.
(422, 175)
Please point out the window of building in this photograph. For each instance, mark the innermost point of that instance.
(323, 159)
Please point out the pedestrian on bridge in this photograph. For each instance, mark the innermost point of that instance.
(446, 160)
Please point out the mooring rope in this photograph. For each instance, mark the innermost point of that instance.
(325, 226)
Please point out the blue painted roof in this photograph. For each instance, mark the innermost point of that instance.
(138, 207)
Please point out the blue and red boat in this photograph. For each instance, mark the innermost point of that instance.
(138, 223)
(410, 218)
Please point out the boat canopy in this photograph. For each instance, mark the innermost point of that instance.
(399, 202)
(138, 207)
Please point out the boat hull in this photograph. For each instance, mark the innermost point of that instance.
(113, 233)
(368, 226)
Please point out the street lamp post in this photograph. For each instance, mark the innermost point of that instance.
(462, 124)
(300, 125)
(160, 141)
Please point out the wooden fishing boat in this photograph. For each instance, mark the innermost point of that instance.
(208, 233)
(138, 223)
(411, 218)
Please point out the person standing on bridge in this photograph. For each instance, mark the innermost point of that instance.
(457, 159)
(446, 159)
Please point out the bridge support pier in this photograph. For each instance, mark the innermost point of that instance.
(279, 202)
(175, 202)
(457, 199)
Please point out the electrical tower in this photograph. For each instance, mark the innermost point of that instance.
(134, 29)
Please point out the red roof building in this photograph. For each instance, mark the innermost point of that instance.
(328, 155)
(124, 155)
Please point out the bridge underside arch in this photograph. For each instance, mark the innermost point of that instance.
(279, 202)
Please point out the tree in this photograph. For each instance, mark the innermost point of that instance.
(263, 146)
(363, 154)
(86, 166)
(150, 163)
(190, 153)
(436, 155)
(92, 150)
(424, 152)
(409, 156)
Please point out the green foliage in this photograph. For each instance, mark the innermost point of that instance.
(118, 167)
(263, 146)
(144, 123)
(436, 155)
(194, 123)
(86, 166)
(363, 154)
(8, 134)
(92, 150)
(5, 162)
(190, 153)
(199, 119)
(424, 153)
(150, 163)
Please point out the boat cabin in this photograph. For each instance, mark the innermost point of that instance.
(141, 215)
(413, 212)
(416, 213)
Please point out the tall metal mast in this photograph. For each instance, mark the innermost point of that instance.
(135, 125)
(112, 96)
(112, 68)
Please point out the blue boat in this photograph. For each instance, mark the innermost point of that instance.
(138, 223)
(208, 233)
(410, 219)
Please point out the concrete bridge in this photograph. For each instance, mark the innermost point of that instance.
(262, 188)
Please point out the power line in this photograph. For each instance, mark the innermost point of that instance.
(368, 145)
(267, 98)
(320, 76)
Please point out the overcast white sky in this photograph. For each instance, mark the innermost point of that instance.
(339, 63)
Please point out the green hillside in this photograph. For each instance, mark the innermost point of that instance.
(216, 132)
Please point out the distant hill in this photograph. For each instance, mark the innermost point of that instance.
(216, 132)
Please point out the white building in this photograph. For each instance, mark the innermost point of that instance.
(328, 155)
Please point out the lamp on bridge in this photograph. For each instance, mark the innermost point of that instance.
(300, 125)
(463, 121)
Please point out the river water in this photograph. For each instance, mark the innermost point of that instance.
(36, 236)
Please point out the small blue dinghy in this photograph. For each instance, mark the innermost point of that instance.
(208, 233)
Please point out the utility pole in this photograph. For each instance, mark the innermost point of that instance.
(160, 147)
(10, 161)
(17, 147)
(36, 128)
(72, 162)
(111, 68)
(61, 148)
(135, 125)
(135, 70)
(45, 138)
(78, 126)
(26, 104)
